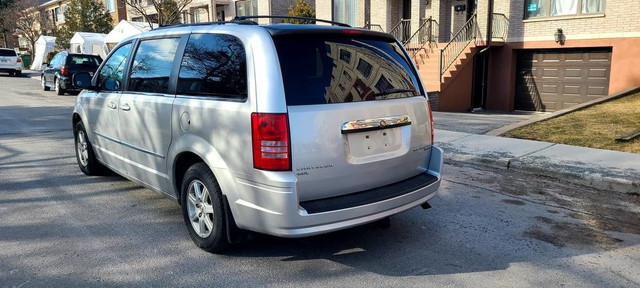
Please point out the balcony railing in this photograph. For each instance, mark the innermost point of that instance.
(500, 26)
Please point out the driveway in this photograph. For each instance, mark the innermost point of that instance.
(478, 122)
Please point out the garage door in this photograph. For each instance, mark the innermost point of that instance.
(550, 80)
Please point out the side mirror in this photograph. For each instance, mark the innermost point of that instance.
(82, 80)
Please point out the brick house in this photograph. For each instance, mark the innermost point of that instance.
(542, 55)
(223, 10)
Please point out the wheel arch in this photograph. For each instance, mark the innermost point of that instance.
(190, 149)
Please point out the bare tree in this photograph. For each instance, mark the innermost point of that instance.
(162, 12)
(27, 21)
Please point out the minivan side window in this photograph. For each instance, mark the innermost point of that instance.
(152, 65)
(110, 76)
(214, 65)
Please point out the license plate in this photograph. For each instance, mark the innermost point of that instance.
(4, 61)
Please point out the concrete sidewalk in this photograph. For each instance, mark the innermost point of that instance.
(602, 169)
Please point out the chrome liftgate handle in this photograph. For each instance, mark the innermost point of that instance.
(356, 126)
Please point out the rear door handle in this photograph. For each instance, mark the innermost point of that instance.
(125, 107)
(112, 105)
(375, 124)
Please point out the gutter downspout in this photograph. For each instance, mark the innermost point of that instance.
(485, 62)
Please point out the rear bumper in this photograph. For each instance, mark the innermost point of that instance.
(276, 210)
(66, 84)
(10, 69)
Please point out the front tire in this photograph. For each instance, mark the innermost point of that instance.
(44, 84)
(59, 90)
(202, 208)
(84, 152)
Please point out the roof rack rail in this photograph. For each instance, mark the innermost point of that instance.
(290, 17)
(234, 21)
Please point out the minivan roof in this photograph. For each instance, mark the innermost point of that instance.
(307, 29)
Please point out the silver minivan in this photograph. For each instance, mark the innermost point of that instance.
(288, 130)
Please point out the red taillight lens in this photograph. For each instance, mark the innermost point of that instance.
(64, 71)
(270, 136)
(18, 60)
(431, 121)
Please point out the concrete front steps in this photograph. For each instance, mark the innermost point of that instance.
(427, 60)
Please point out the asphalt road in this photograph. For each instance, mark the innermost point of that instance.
(487, 227)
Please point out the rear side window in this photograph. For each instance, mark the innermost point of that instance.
(83, 61)
(334, 69)
(214, 65)
(152, 65)
(7, 53)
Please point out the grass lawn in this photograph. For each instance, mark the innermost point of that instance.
(595, 127)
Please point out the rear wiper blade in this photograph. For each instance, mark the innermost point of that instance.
(394, 90)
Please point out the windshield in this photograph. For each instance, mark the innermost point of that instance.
(333, 69)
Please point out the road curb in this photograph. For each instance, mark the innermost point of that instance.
(570, 172)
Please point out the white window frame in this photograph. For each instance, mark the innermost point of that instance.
(547, 11)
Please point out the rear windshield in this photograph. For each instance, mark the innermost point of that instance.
(333, 69)
(7, 53)
(84, 61)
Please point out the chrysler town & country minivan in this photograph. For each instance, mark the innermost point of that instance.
(288, 130)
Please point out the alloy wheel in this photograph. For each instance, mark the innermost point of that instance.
(83, 151)
(200, 208)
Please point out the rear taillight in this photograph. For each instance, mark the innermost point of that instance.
(18, 60)
(64, 71)
(430, 121)
(270, 137)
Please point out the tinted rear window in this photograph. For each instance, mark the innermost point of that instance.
(84, 61)
(334, 69)
(7, 53)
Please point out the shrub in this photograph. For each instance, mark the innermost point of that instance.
(300, 9)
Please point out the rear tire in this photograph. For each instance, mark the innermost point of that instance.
(18, 73)
(59, 90)
(202, 209)
(84, 152)
(44, 84)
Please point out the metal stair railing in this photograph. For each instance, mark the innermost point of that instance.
(500, 26)
(458, 43)
(373, 27)
(402, 30)
(426, 33)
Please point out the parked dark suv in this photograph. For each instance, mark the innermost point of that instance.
(63, 66)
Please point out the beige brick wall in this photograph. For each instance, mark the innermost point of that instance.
(620, 19)
(323, 9)
(379, 14)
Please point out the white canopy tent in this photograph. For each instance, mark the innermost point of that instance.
(44, 45)
(88, 43)
(123, 30)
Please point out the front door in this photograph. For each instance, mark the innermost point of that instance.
(103, 109)
(145, 112)
(471, 8)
